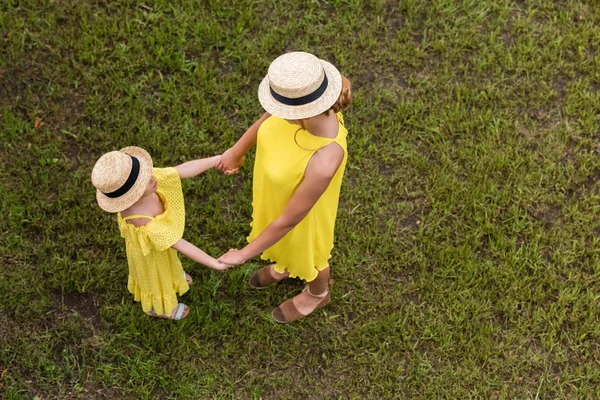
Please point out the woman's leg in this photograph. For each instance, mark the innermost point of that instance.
(266, 276)
(321, 282)
(276, 275)
(316, 296)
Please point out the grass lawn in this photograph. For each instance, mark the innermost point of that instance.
(467, 254)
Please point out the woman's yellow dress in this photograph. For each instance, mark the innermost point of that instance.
(282, 154)
(155, 271)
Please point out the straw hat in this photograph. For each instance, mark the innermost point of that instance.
(121, 178)
(299, 85)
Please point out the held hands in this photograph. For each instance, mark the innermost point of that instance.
(232, 257)
(219, 266)
(229, 163)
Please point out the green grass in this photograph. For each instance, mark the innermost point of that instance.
(467, 254)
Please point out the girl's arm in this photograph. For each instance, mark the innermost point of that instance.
(319, 172)
(193, 252)
(196, 167)
(232, 159)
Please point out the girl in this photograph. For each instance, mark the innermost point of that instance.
(151, 216)
(300, 160)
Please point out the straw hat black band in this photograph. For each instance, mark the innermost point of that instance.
(283, 91)
(300, 101)
(133, 175)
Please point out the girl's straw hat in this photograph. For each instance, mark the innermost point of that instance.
(299, 85)
(121, 178)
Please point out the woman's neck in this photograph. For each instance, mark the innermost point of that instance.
(323, 125)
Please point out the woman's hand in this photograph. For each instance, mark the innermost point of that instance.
(229, 162)
(232, 257)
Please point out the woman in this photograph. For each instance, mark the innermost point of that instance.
(300, 160)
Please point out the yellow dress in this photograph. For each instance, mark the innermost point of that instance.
(155, 272)
(282, 154)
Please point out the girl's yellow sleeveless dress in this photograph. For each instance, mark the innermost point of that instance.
(282, 154)
(155, 272)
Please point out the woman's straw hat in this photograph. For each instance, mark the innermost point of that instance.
(121, 178)
(299, 85)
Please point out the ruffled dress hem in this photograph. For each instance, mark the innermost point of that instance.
(164, 304)
(281, 268)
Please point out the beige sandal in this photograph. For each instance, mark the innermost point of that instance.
(287, 311)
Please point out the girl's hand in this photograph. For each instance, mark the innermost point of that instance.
(232, 257)
(229, 163)
(219, 266)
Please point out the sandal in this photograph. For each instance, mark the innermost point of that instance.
(264, 278)
(179, 313)
(287, 311)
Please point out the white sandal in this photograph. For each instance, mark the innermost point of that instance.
(179, 311)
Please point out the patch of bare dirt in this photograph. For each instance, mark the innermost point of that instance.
(549, 215)
(85, 304)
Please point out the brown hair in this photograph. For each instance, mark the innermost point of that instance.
(345, 97)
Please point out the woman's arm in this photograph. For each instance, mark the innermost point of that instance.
(319, 172)
(193, 252)
(196, 167)
(232, 159)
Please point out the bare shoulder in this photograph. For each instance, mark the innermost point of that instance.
(135, 221)
(326, 161)
(138, 221)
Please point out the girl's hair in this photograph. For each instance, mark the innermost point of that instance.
(345, 97)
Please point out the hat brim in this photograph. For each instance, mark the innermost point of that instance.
(322, 104)
(137, 190)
